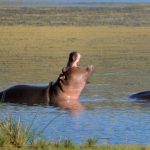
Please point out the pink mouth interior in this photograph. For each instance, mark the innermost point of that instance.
(75, 64)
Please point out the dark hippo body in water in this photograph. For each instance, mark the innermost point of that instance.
(141, 95)
(63, 93)
(26, 94)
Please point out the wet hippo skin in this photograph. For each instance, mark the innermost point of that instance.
(63, 93)
(141, 95)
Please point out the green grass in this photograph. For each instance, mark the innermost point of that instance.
(91, 142)
(126, 14)
(14, 135)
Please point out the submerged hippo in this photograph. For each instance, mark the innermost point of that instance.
(141, 96)
(63, 93)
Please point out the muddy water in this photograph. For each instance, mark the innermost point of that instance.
(121, 55)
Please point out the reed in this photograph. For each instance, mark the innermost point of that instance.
(15, 135)
(116, 14)
(91, 142)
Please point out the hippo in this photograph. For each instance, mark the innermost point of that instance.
(63, 93)
(145, 95)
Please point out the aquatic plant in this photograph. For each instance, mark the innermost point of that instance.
(68, 144)
(43, 144)
(91, 142)
(114, 14)
(14, 133)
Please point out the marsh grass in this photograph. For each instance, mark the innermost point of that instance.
(128, 15)
(112, 49)
(91, 142)
(14, 135)
(14, 132)
(43, 144)
(68, 144)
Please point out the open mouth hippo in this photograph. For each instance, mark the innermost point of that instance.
(63, 93)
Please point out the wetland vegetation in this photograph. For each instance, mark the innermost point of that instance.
(14, 135)
(99, 14)
(34, 46)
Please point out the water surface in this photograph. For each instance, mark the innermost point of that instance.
(80, 1)
(48, 4)
(121, 55)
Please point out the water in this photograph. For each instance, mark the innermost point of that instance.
(121, 56)
(69, 1)
(57, 5)
(110, 123)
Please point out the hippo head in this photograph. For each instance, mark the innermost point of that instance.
(75, 79)
(69, 85)
(66, 91)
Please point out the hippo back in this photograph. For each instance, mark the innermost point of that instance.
(141, 95)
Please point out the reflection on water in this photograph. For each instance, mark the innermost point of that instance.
(121, 56)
